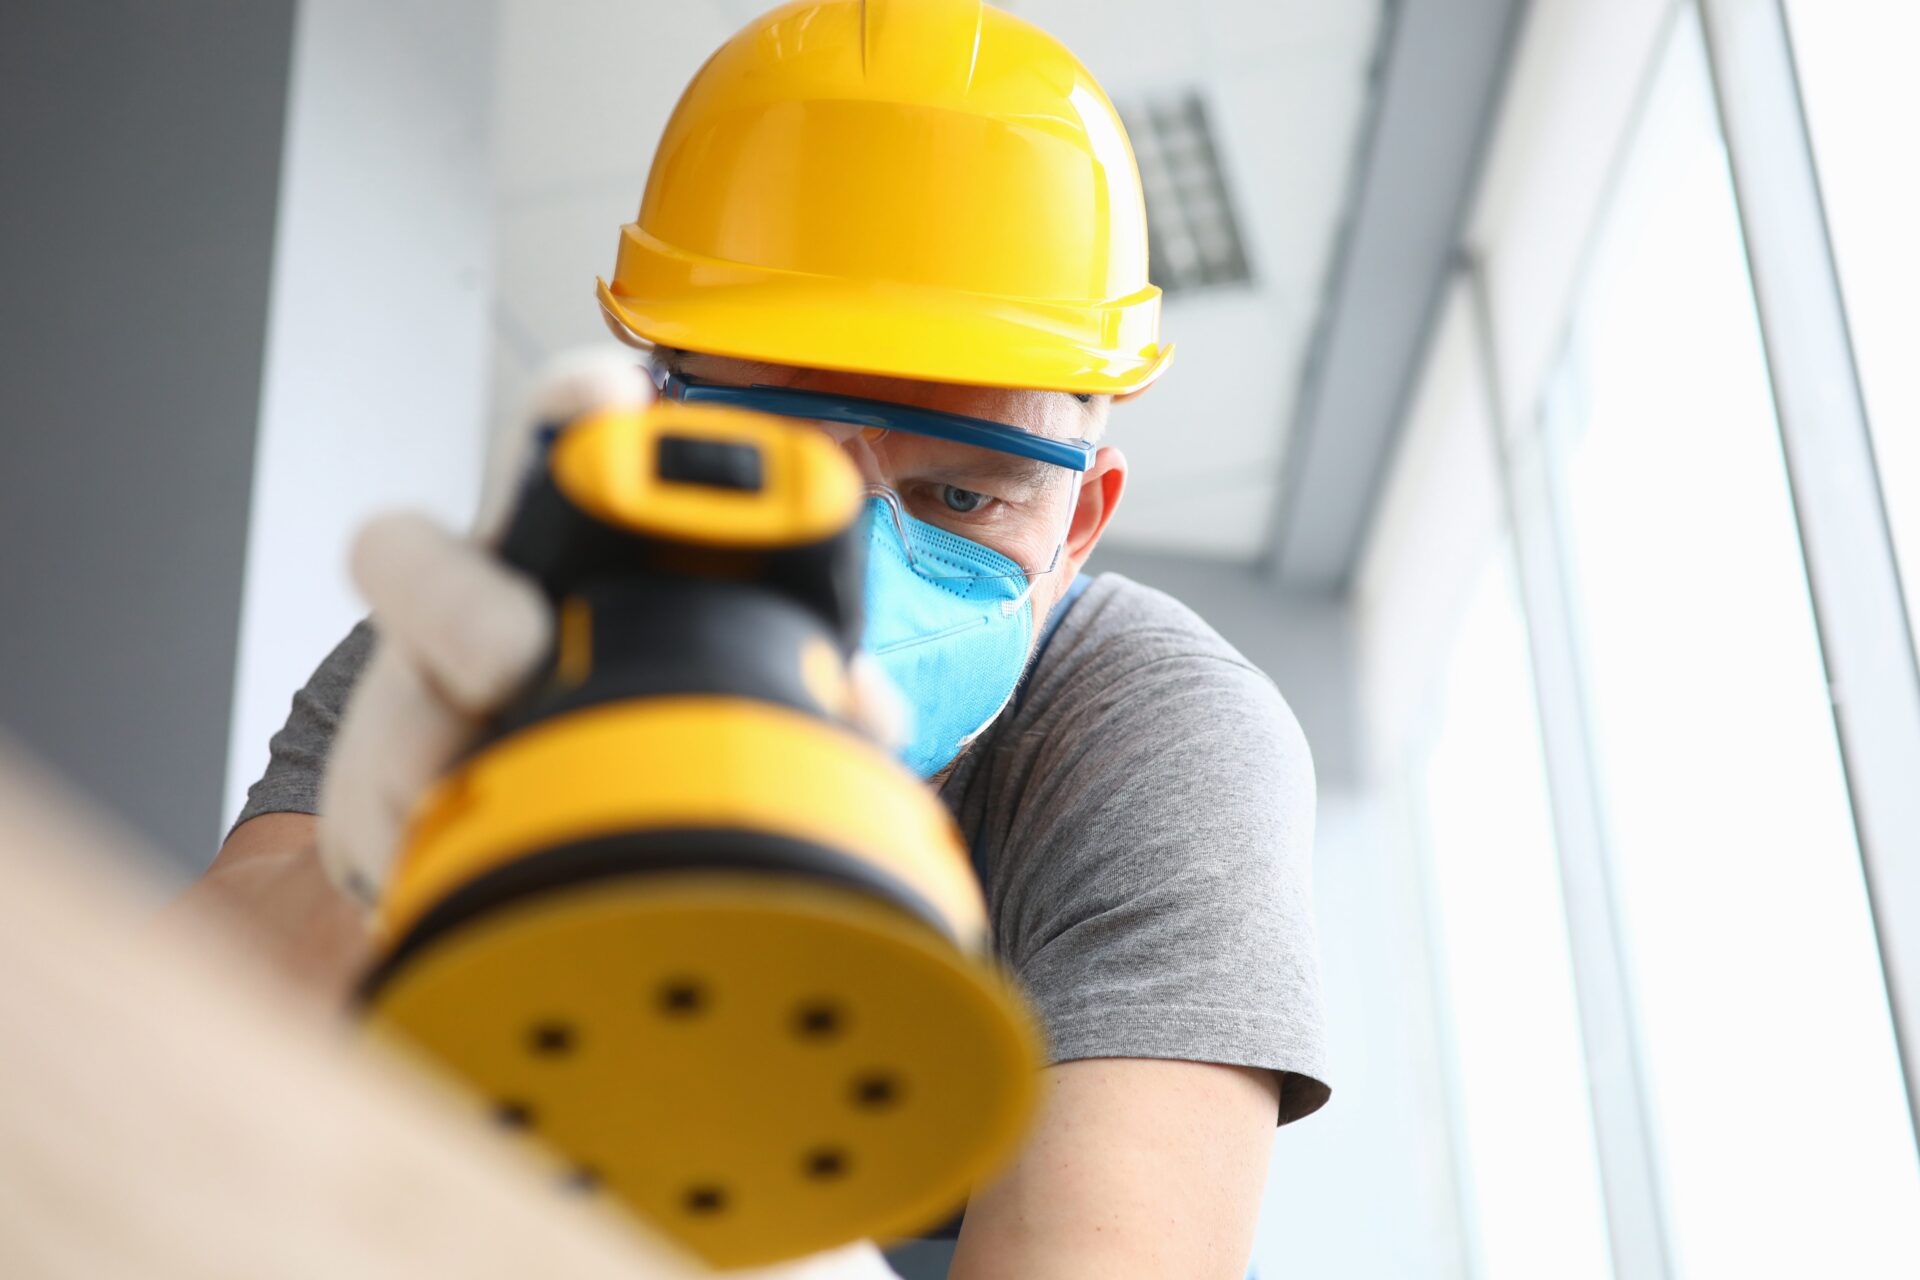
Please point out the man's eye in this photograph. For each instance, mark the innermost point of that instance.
(961, 500)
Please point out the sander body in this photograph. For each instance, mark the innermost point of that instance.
(674, 920)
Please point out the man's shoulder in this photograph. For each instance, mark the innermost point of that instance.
(1133, 661)
(1128, 631)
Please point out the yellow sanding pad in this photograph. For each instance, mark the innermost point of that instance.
(759, 1067)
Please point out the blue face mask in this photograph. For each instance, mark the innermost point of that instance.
(956, 644)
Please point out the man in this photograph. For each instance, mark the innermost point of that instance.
(918, 225)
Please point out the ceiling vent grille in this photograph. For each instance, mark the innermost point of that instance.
(1194, 239)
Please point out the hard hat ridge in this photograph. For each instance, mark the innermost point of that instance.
(920, 42)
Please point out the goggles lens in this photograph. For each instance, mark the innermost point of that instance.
(939, 474)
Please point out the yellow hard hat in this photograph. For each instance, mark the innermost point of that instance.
(928, 189)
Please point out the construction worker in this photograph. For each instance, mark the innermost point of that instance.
(917, 224)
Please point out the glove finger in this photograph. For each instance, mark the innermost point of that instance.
(575, 383)
(396, 735)
(879, 708)
(475, 627)
(570, 386)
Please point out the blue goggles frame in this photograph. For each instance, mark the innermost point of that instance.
(825, 406)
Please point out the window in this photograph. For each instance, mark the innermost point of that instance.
(1768, 1044)
(1528, 1167)
(1195, 239)
(1862, 101)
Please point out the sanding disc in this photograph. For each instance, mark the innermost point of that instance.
(760, 1067)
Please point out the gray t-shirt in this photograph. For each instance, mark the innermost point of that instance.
(1144, 819)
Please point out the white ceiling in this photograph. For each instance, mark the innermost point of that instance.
(585, 87)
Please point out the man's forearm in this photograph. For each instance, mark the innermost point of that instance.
(1136, 1168)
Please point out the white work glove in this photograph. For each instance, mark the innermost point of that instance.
(457, 633)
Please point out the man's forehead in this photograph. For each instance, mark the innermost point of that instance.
(959, 463)
(1051, 413)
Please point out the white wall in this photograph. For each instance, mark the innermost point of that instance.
(1439, 515)
(140, 148)
(1578, 80)
(375, 387)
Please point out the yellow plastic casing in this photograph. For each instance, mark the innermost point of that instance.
(683, 763)
(929, 189)
(718, 956)
(603, 464)
(759, 1066)
(761, 1070)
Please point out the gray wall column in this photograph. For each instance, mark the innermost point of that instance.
(141, 146)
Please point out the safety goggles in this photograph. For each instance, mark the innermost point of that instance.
(941, 475)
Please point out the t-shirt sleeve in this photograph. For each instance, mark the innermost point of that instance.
(297, 754)
(1165, 910)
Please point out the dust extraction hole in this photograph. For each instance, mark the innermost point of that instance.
(550, 1039)
(705, 1199)
(824, 1164)
(510, 1114)
(582, 1178)
(682, 998)
(876, 1090)
(818, 1020)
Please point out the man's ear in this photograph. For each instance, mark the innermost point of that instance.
(1100, 488)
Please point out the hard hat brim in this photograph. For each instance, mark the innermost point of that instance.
(661, 297)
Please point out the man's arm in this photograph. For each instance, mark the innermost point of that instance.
(1138, 1167)
(266, 884)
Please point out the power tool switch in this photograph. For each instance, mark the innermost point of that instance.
(718, 464)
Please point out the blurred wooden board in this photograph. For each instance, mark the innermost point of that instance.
(167, 1112)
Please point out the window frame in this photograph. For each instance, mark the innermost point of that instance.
(1864, 629)
(1859, 605)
